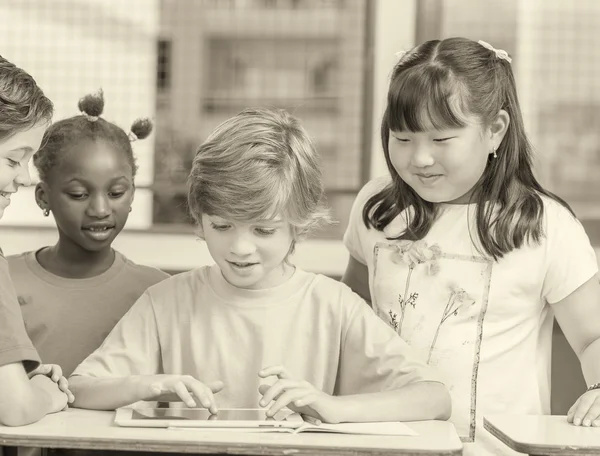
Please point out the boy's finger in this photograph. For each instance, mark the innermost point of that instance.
(184, 394)
(215, 387)
(63, 384)
(286, 399)
(56, 372)
(275, 390)
(201, 393)
(279, 371)
(42, 369)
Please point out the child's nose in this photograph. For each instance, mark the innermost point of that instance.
(242, 246)
(23, 177)
(99, 207)
(422, 156)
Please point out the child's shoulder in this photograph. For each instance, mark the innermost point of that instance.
(331, 289)
(184, 282)
(18, 257)
(557, 217)
(18, 262)
(143, 272)
(373, 187)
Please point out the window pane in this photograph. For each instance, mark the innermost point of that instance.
(306, 56)
(556, 59)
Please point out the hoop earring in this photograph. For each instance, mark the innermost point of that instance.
(46, 212)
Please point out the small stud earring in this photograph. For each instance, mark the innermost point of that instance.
(46, 212)
(130, 208)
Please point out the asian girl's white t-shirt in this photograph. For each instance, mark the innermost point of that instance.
(486, 326)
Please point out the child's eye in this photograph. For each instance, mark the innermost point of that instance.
(443, 139)
(116, 194)
(13, 163)
(403, 140)
(265, 231)
(216, 227)
(77, 196)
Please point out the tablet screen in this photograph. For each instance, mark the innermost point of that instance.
(200, 414)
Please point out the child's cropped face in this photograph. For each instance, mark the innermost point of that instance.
(15, 154)
(250, 254)
(441, 165)
(90, 194)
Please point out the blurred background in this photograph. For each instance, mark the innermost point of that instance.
(190, 64)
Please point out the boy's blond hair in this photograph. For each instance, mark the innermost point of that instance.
(258, 165)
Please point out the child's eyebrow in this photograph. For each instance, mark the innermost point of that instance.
(85, 181)
(270, 222)
(25, 149)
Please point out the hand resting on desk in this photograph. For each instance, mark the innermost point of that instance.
(170, 388)
(54, 373)
(404, 403)
(298, 395)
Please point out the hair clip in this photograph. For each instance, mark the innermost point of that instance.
(401, 54)
(500, 53)
(132, 136)
(88, 117)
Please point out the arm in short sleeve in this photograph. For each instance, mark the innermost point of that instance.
(131, 348)
(570, 258)
(355, 234)
(373, 357)
(15, 345)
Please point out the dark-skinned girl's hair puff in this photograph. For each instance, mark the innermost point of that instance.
(142, 128)
(92, 104)
(65, 136)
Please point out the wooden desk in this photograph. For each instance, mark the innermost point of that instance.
(544, 435)
(94, 430)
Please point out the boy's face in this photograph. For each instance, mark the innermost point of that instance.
(89, 193)
(15, 153)
(250, 254)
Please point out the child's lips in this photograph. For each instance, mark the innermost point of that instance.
(241, 264)
(6, 197)
(98, 227)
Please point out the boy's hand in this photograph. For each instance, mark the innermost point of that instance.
(54, 372)
(58, 399)
(586, 410)
(298, 395)
(185, 388)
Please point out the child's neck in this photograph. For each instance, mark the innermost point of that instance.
(72, 262)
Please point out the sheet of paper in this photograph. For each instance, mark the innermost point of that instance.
(386, 428)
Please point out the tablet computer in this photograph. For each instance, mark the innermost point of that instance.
(202, 418)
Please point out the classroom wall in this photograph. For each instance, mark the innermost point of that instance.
(102, 45)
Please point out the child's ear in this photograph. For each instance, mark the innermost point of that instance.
(41, 196)
(499, 127)
(200, 231)
(132, 194)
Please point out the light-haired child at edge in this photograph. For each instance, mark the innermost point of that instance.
(463, 252)
(28, 390)
(253, 330)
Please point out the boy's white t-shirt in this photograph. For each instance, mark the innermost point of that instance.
(486, 326)
(196, 323)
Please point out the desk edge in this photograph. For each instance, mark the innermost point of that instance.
(531, 448)
(159, 446)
